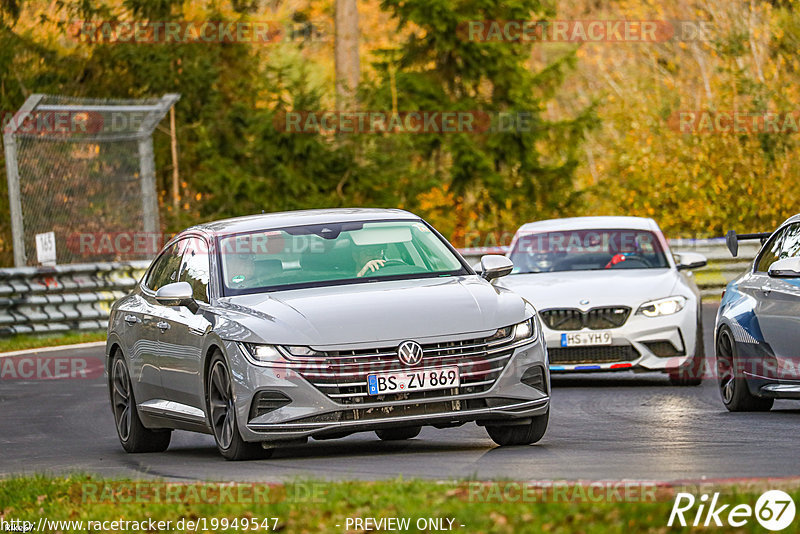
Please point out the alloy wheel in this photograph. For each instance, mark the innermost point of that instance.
(725, 366)
(121, 398)
(220, 402)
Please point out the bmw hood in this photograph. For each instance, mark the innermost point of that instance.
(372, 312)
(571, 289)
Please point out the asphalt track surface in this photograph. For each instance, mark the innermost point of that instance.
(602, 427)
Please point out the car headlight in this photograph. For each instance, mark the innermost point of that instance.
(263, 354)
(667, 306)
(525, 330)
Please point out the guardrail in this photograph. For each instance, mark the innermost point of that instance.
(64, 297)
(711, 279)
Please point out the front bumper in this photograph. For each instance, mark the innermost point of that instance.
(312, 413)
(644, 335)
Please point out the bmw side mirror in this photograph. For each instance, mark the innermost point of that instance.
(494, 266)
(690, 260)
(785, 268)
(177, 294)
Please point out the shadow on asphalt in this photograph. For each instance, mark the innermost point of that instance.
(609, 380)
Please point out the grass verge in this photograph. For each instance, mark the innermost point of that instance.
(35, 341)
(317, 506)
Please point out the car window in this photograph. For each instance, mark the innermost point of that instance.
(335, 253)
(791, 242)
(165, 269)
(194, 268)
(587, 250)
(771, 251)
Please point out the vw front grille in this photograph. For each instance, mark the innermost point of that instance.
(342, 375)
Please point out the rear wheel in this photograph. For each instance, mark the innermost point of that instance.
(732, 384)
(132, 434)
(507, 435)
(222, 414)
(397, 434)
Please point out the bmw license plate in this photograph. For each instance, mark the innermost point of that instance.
(582, 339)
(421, 380)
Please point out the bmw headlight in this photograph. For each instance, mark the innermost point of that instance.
(660, 307)
(525, 330)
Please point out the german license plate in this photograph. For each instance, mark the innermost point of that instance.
(582, 339)
(421, 380)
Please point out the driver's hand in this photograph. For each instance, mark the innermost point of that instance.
(371, 266)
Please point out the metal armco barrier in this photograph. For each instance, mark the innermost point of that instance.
(64, 297)
(721, 268)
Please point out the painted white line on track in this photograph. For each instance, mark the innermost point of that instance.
(89, 345)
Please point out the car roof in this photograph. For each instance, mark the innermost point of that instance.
(591, 223)
(254, 223)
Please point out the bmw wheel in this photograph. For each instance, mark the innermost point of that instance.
(222, 415)
(732, 385)
(507, 435)
(132, 434)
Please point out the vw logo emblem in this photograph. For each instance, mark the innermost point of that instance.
(584, 302)
(409, 352)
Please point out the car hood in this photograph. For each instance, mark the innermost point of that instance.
(629, 287)
(378, 312)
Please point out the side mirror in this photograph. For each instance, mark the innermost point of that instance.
(785, 268)
(494, 266)
(177, 294)
(690, 260)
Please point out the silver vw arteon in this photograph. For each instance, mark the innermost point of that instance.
(274, 328)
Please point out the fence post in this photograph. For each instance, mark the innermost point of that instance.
(148, 177)
(12, 174)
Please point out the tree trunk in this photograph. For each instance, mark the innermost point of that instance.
(346, 54)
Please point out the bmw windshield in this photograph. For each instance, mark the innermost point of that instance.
(587, 250)
(330, 254)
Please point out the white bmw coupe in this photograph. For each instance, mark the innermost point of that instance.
(611, 296)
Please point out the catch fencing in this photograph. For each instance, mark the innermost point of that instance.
(79, 296)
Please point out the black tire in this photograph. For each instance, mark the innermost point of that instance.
(509, 435)
(732, 384)
(132, 434)
(222, 415)
(397, 434)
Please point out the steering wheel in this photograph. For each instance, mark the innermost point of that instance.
(622, 264)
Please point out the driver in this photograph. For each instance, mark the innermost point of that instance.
(370, 257)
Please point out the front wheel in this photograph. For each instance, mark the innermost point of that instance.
(222, 415)
(732, 384)
(132, 434)
(507, 435)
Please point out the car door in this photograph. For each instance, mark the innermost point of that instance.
(182, 333)
(778, 310)
(139, 316)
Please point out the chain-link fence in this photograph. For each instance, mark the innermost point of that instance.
(84, 170)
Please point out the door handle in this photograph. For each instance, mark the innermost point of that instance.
(766, 290)
(163, 325)
(131, 320)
